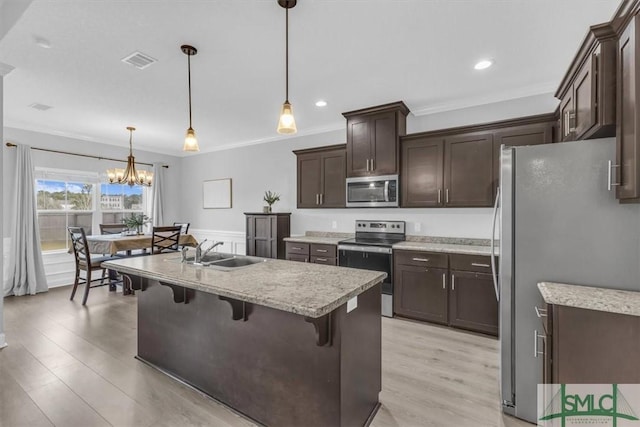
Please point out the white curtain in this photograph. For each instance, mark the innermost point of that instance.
(26, 268)
(157, 195)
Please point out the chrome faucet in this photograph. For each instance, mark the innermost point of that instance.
(200, 254)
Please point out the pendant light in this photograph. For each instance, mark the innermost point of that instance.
(190, 140)
(130, 175)
(287, 123)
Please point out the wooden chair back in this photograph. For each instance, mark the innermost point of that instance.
(112, 228)
(80, 247)
(184, 225)
(165, 239)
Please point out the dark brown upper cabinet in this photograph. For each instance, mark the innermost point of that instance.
(373, 139)
(468, 170)
(628, 119)
(461, 167)
(422, 172)
(321, 177)
(588, 91)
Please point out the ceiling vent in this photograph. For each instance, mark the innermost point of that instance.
(139, 60)
(40, 107)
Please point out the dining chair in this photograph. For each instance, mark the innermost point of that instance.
(112, 228)
(86, 263)
(165, 239)
(184, 226)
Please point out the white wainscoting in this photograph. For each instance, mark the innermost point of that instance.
(234, 241)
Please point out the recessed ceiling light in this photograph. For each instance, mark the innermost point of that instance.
(40, 107)
(321, 103)
(485, 63)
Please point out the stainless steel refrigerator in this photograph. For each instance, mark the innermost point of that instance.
(558, 222)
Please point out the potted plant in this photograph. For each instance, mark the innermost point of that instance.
(270, 198)
(136, 222)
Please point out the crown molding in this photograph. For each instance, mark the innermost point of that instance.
(540, 89)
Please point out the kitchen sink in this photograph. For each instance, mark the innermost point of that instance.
(236, 262)
(210, 257)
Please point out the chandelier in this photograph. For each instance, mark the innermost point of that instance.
(130, 175)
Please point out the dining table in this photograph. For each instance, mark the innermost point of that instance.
(113, 243)
(123, 245)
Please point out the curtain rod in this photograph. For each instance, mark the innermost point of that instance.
(10, 144)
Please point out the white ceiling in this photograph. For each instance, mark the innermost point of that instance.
(352, 53)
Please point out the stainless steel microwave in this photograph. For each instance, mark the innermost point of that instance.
(372, 192)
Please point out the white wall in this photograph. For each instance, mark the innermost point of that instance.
(272, 166)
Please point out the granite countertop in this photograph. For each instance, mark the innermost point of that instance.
(303, 288)
(591, 298)
(314, 239)
(446, 247)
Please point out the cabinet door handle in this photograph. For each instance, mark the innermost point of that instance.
(324, 251)
(446, 195)
(317, 199)
(475, 264)
(439, 195)
(453, 282)
(444, 281)
(537, 336)
(421, 259)
(367, 165)
(572, 121)
(321, 201)
(372, 166)
(321, 259)
(610, 182)
(541, 312)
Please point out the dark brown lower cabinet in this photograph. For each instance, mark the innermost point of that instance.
(590, 347)
(455, 290)
(314, 253)
(421, 293)
(266, 233)
(472, 302)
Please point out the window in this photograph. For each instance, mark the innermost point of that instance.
(60, 205)
(116, 200)
(79, 199)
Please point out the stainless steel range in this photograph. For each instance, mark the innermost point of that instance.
(371, 250)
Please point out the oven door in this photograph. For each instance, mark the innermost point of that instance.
(371, 258)
(372, 191)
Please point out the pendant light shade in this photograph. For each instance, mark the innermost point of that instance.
(287, 123)
(190, 140)
(130, 175)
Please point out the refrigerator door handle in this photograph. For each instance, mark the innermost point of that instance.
(493, 255)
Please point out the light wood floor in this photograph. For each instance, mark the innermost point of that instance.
(68, 365)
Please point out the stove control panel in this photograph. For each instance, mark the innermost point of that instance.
(396, 227)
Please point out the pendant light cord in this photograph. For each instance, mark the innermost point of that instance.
(189, 77)
(130, 143)
(287, 55)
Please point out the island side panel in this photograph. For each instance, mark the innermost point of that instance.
(268, 367)
(360, 332)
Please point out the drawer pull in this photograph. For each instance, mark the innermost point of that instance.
(324, 251)
(296, 248)
(453, 282)
(541, 312)
(476, 264)
(421, 259)
(444, 281)
(321, 259)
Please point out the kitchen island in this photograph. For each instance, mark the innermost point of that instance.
(284, 343)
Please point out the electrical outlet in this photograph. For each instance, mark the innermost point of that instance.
(334, 224)
(416, 227)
